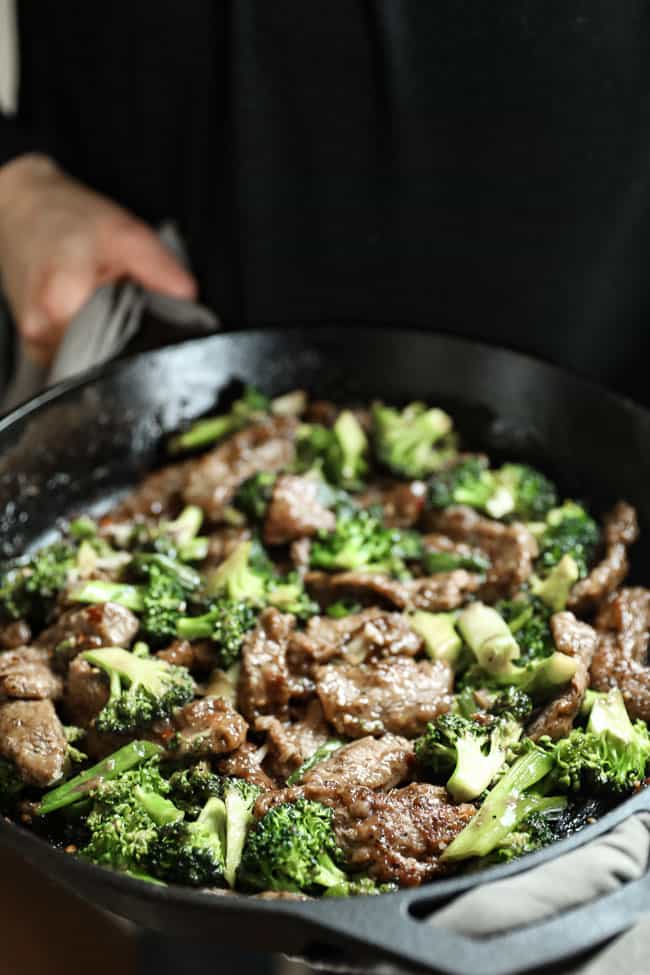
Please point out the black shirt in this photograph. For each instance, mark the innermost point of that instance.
(474, 166)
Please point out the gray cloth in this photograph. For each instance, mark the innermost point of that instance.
(105, 326)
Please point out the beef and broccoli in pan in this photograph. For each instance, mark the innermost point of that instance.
(323, 652)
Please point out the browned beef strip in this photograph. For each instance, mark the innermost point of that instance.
(398, 695)
(215, 477)
(246, 763)
(14, 635)
(398, 835)
(291, 743)
(376, 763)
(86, 693)
(372, 633)
(438, 593)
(25, 673)
(199, 656)
(208, 726)
(620, 531)
(264, 677)
(103, 625)
(510, 548)
(402, 503)
(578, 640)
(160, 493)
(620, 659)
(295, 511)
(32, 737)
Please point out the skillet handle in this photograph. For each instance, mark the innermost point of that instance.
(384, 928)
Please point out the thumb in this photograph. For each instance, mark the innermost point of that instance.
(134, 250)
(54, 300)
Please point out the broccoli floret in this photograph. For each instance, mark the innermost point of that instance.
(529, 622)
(533, 833)
(471, 750)
(609, 756)
(360, 541)
(555, 589)
(568, 530)
(142, 689)
(254, 495)
(412, 442)
(468, 482)
(326, 749)
(131, 756)
(28, 590)
(338, 452)
(237, 579)
(359, 886)
(192, 853)
(227, 623)
(513, 702)
(289, 595)
(293, 847)
(191, 787)
(179, 539)
(252, 406)
(521, 492)
(506, 806)
(239, 798)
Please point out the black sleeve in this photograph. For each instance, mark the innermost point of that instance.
(16, 139)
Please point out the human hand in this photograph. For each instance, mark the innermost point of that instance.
(59, 241)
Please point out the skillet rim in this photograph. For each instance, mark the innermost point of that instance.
(16, 836)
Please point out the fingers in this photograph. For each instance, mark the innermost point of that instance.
(134, 250)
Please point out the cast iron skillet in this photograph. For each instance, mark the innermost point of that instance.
(84, 441)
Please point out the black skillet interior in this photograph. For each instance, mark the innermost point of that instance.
(82, 443)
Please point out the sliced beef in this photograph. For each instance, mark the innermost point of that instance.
(295, 512)
(510, 548)
(86, 693)
(25, 673)
(32, 737)
(246, 763)
(375, 763)
(399, 835)
(437, 593)
(291, 743)
(264, 676)
(215, 477)
(398, 695)
(200, 656)
(577, 640)
(402, 503)
(103, 625)
(620, 530)
(620, 659)
(14, 635)
(372, 633)
(160, 493)
(209, 726)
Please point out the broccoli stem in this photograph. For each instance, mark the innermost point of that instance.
(195, 627)
(505, 807)
(555, 588)
(204, 432)
(128, 757)
(441, 641)
(100, 591)
(609, 715)
(161, 810)
(489, 637)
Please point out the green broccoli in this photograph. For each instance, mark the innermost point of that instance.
(28, 590)
(293, 847)
(532, 833)
(468, 482)
(472, 751)
(609, 756)
(142, 689)
(191, 853)
(507, 805)
(191, 787)
(568, 530)
(342, 608)
(254, 495)
(226, 623)
(338, 452)
(521, 492)
(412, 442)
(359, 886)
(360, 541)
(130, 756)
(237, 579)
(289, 596)
(438, 631)
(555, 589)
(178, 539)
(528, 620)
(433, 562)
(326, 749)
(239, 798)
(252, 406)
